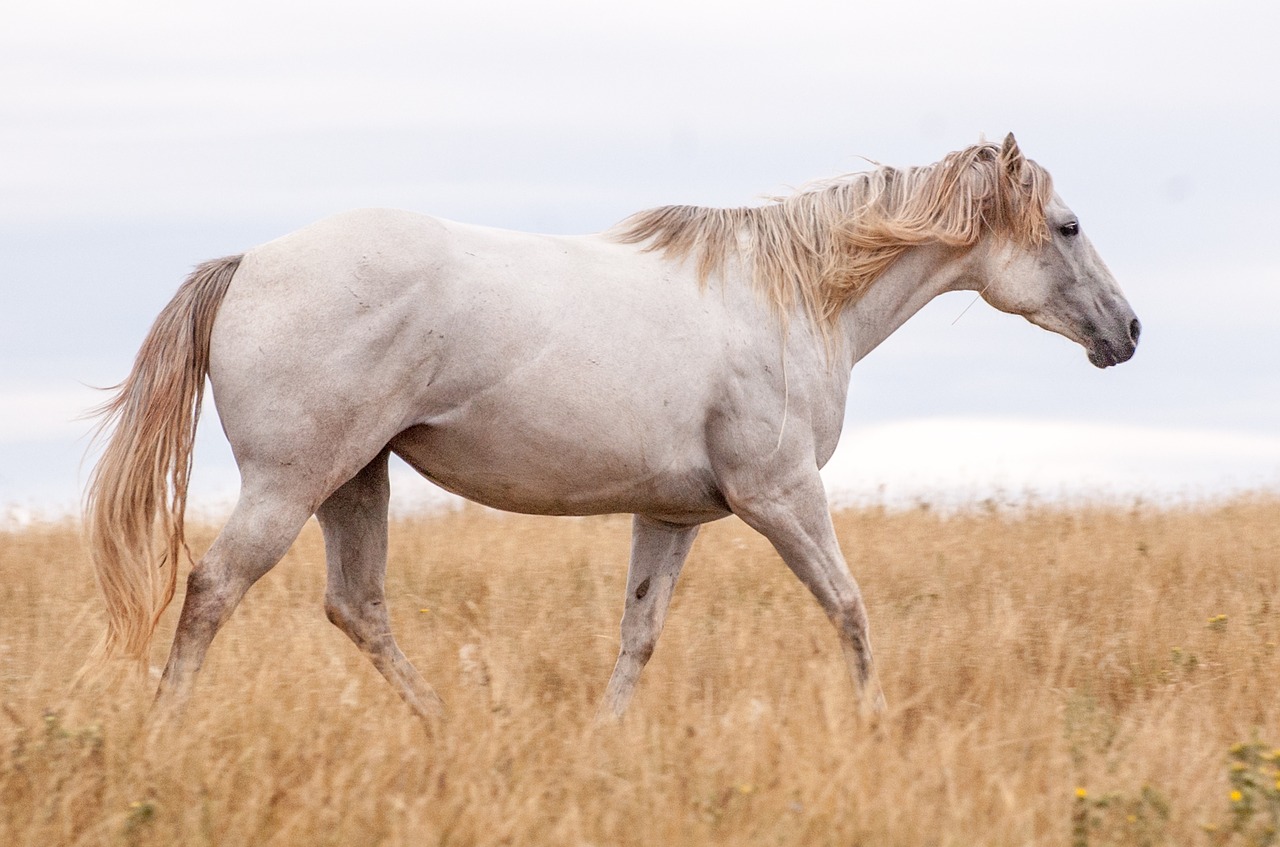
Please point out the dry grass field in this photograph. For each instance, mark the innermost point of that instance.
(1055, 675)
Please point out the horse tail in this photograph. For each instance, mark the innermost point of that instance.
(139, 487)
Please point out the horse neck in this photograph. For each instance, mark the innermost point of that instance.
(915, 278)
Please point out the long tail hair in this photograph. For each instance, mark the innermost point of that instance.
(138, 489)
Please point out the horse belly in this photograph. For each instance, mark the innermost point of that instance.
(534, 471)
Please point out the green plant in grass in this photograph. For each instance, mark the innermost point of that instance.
(1253, 817)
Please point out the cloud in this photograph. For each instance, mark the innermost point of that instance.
(141, 137)
(44, 414)
(968, 458)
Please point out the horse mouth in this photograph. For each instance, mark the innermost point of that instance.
(1103, 354)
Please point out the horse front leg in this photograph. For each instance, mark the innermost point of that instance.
(796, 519)
(658, 553)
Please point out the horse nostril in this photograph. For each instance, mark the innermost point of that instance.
(1135, 329)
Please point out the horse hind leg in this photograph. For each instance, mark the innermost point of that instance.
(354, 521)
(658, 553)
(259, 532)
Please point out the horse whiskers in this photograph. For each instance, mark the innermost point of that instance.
(975, 299)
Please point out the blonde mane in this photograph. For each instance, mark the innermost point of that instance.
(823, 246)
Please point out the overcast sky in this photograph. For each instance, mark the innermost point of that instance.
(139, 138)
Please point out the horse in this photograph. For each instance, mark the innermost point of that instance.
(687, 364)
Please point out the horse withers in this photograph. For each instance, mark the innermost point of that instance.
(688, 364)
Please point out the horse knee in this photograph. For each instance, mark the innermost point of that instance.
(641, 649)
(851, 621)
(851, 615)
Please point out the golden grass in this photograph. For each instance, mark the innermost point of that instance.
(1025, 655)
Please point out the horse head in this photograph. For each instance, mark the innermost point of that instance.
(1057, 280)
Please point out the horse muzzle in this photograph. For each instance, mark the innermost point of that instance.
(1105, 352)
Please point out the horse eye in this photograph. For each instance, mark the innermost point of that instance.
(1070, 229)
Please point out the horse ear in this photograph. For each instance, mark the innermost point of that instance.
(1011, 156)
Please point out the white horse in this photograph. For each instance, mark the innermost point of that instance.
(689, 364)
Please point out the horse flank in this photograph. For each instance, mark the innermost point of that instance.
(821, 247)
(141, 479)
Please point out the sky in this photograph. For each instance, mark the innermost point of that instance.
(140, 138)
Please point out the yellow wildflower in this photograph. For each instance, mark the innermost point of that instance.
(1081, 793)
(1236, 796)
